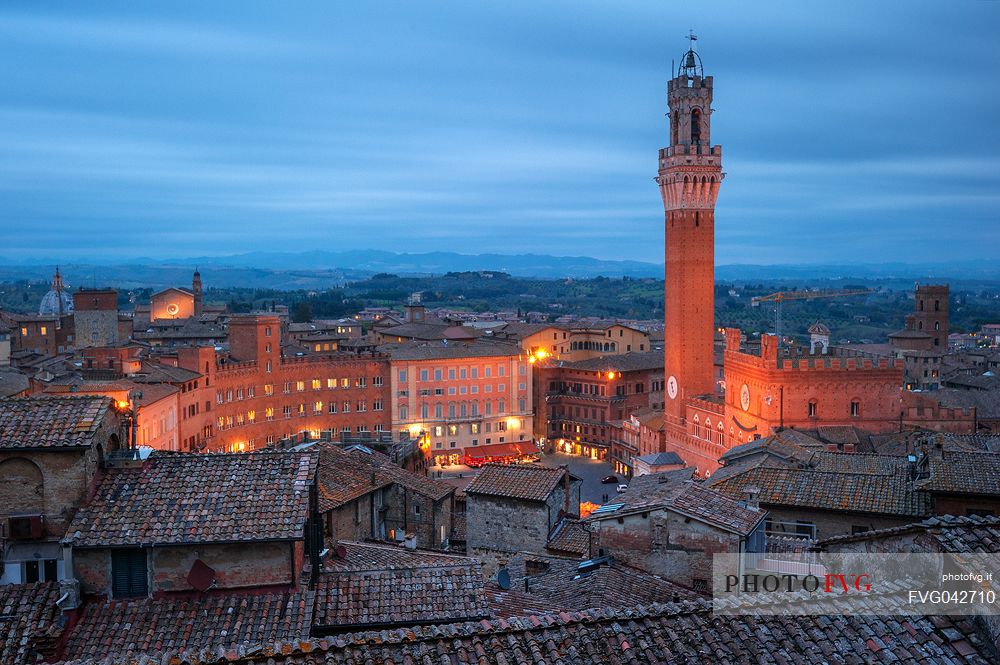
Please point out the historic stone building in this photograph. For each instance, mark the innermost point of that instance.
(95, 317)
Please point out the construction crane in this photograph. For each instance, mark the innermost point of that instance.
(781, 296)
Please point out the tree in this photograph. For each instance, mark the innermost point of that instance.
(301, 312)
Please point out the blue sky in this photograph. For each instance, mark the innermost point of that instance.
(852, 132)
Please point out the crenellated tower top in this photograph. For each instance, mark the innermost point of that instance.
(690, 169)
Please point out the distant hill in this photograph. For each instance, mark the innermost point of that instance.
(321, 269)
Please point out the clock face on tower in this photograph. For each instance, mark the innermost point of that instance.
(672, 387)
(745, 397)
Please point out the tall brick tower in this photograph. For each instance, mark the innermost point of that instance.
(689, 178)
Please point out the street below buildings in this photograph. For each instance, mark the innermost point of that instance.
(590, 471)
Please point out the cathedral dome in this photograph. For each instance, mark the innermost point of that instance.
(56, 303)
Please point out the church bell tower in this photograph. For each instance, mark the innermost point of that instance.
(690, 172)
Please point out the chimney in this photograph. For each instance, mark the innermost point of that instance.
(751, 495)
(410, 542)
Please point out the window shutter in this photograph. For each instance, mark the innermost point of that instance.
(128, 573)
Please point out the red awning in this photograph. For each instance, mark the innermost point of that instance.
(516, 449)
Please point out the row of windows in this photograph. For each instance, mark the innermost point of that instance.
(438, 373)
(299, 386)
(301, 409)
(463, 409)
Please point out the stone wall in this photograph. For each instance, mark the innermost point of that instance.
(236, 566)
(664, 543)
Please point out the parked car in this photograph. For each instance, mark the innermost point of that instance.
(609, 480)
(622, 487)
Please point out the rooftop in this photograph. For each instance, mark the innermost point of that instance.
(569, 537)
(198, 498)
(51, 422)
(29, 627)
(352, 599)
(386, 556)
(174, 623)
(673, 490)
(626, 362)
(976, 473)
(345, 475)
(660, 459)
(685, 632)
(445, 350)
(516, 481)
(973, 534)
(602, 582)
(853, 482)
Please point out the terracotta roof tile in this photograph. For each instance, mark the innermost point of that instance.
(353, 599)
(671, 490)
(380, 556)
(947, 534)
(51, 422)
(180, 623)
(840, 481)
(195, 498)
(345, 475)
(569, 537)
(516, 481)
(963, 473)
(672, 633)
(602, 582)
(29, 626)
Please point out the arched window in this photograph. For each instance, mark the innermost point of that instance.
(813, 408)
(695, 125)
(937, 325)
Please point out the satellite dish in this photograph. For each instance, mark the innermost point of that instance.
(341, 552)
(503, 579)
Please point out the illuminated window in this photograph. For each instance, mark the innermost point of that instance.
(300, 386)
(268, 389)
(44, 330)
(316, 384)
(331, 383)
(269, 413)
(452, 430)
(317, 407)
(345, 383)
